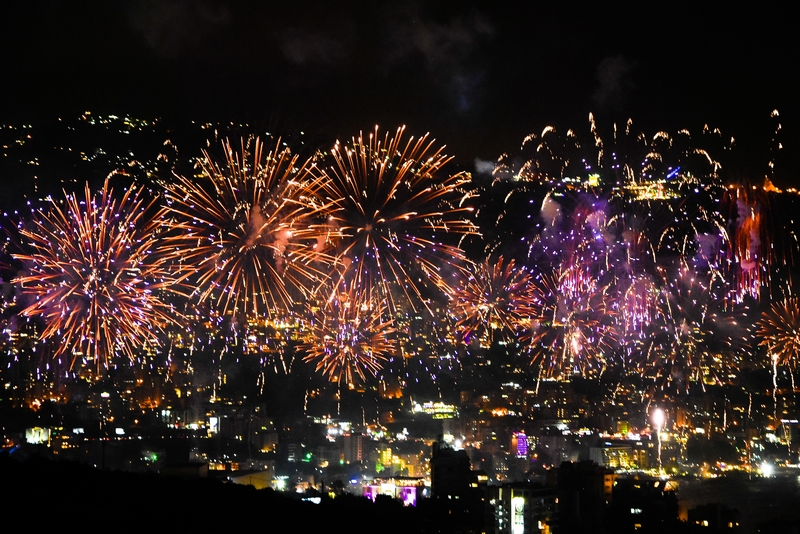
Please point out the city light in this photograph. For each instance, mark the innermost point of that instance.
(552, 321)
(658, 419)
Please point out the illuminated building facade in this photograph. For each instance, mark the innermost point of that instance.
(408, 490)
(519, 444)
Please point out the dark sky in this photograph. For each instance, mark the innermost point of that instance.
(478, 75)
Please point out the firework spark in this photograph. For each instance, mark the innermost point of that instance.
(695, 339)
(779, 330)
(572, 330)
(639, 305)
(241, 232)
(349, 337)
(393, 207)
(750, 243)
(93, 275)
(496, 298)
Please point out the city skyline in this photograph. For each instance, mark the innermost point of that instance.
(626, 265)
(447, 253)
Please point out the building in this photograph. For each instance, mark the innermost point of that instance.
(584, 492)
(408, 490)
(352, 447)
(521, 508)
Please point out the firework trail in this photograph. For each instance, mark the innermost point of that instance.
(775, 147)
(693, 237)
(494, 298)
(393, 207)
(629, 158)
(638, 306)
(634, 275)
(695, 339)
(549, 157)
(241, 232)
(349, 337)
(94, 275)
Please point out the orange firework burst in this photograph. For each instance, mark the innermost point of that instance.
(751, 242)
(241, 232)
(393, 208)
(779, 330)
(496, 297)
(93, 275)
(349, 337)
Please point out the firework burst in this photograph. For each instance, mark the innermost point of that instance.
(349, 337)
(241, 231)
(572, 329)
(779, 330)
(695, 339)
(393, 207)
(494, 299)
(93, 275)
(751, 242)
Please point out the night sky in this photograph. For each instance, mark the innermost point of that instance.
(478, 75)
